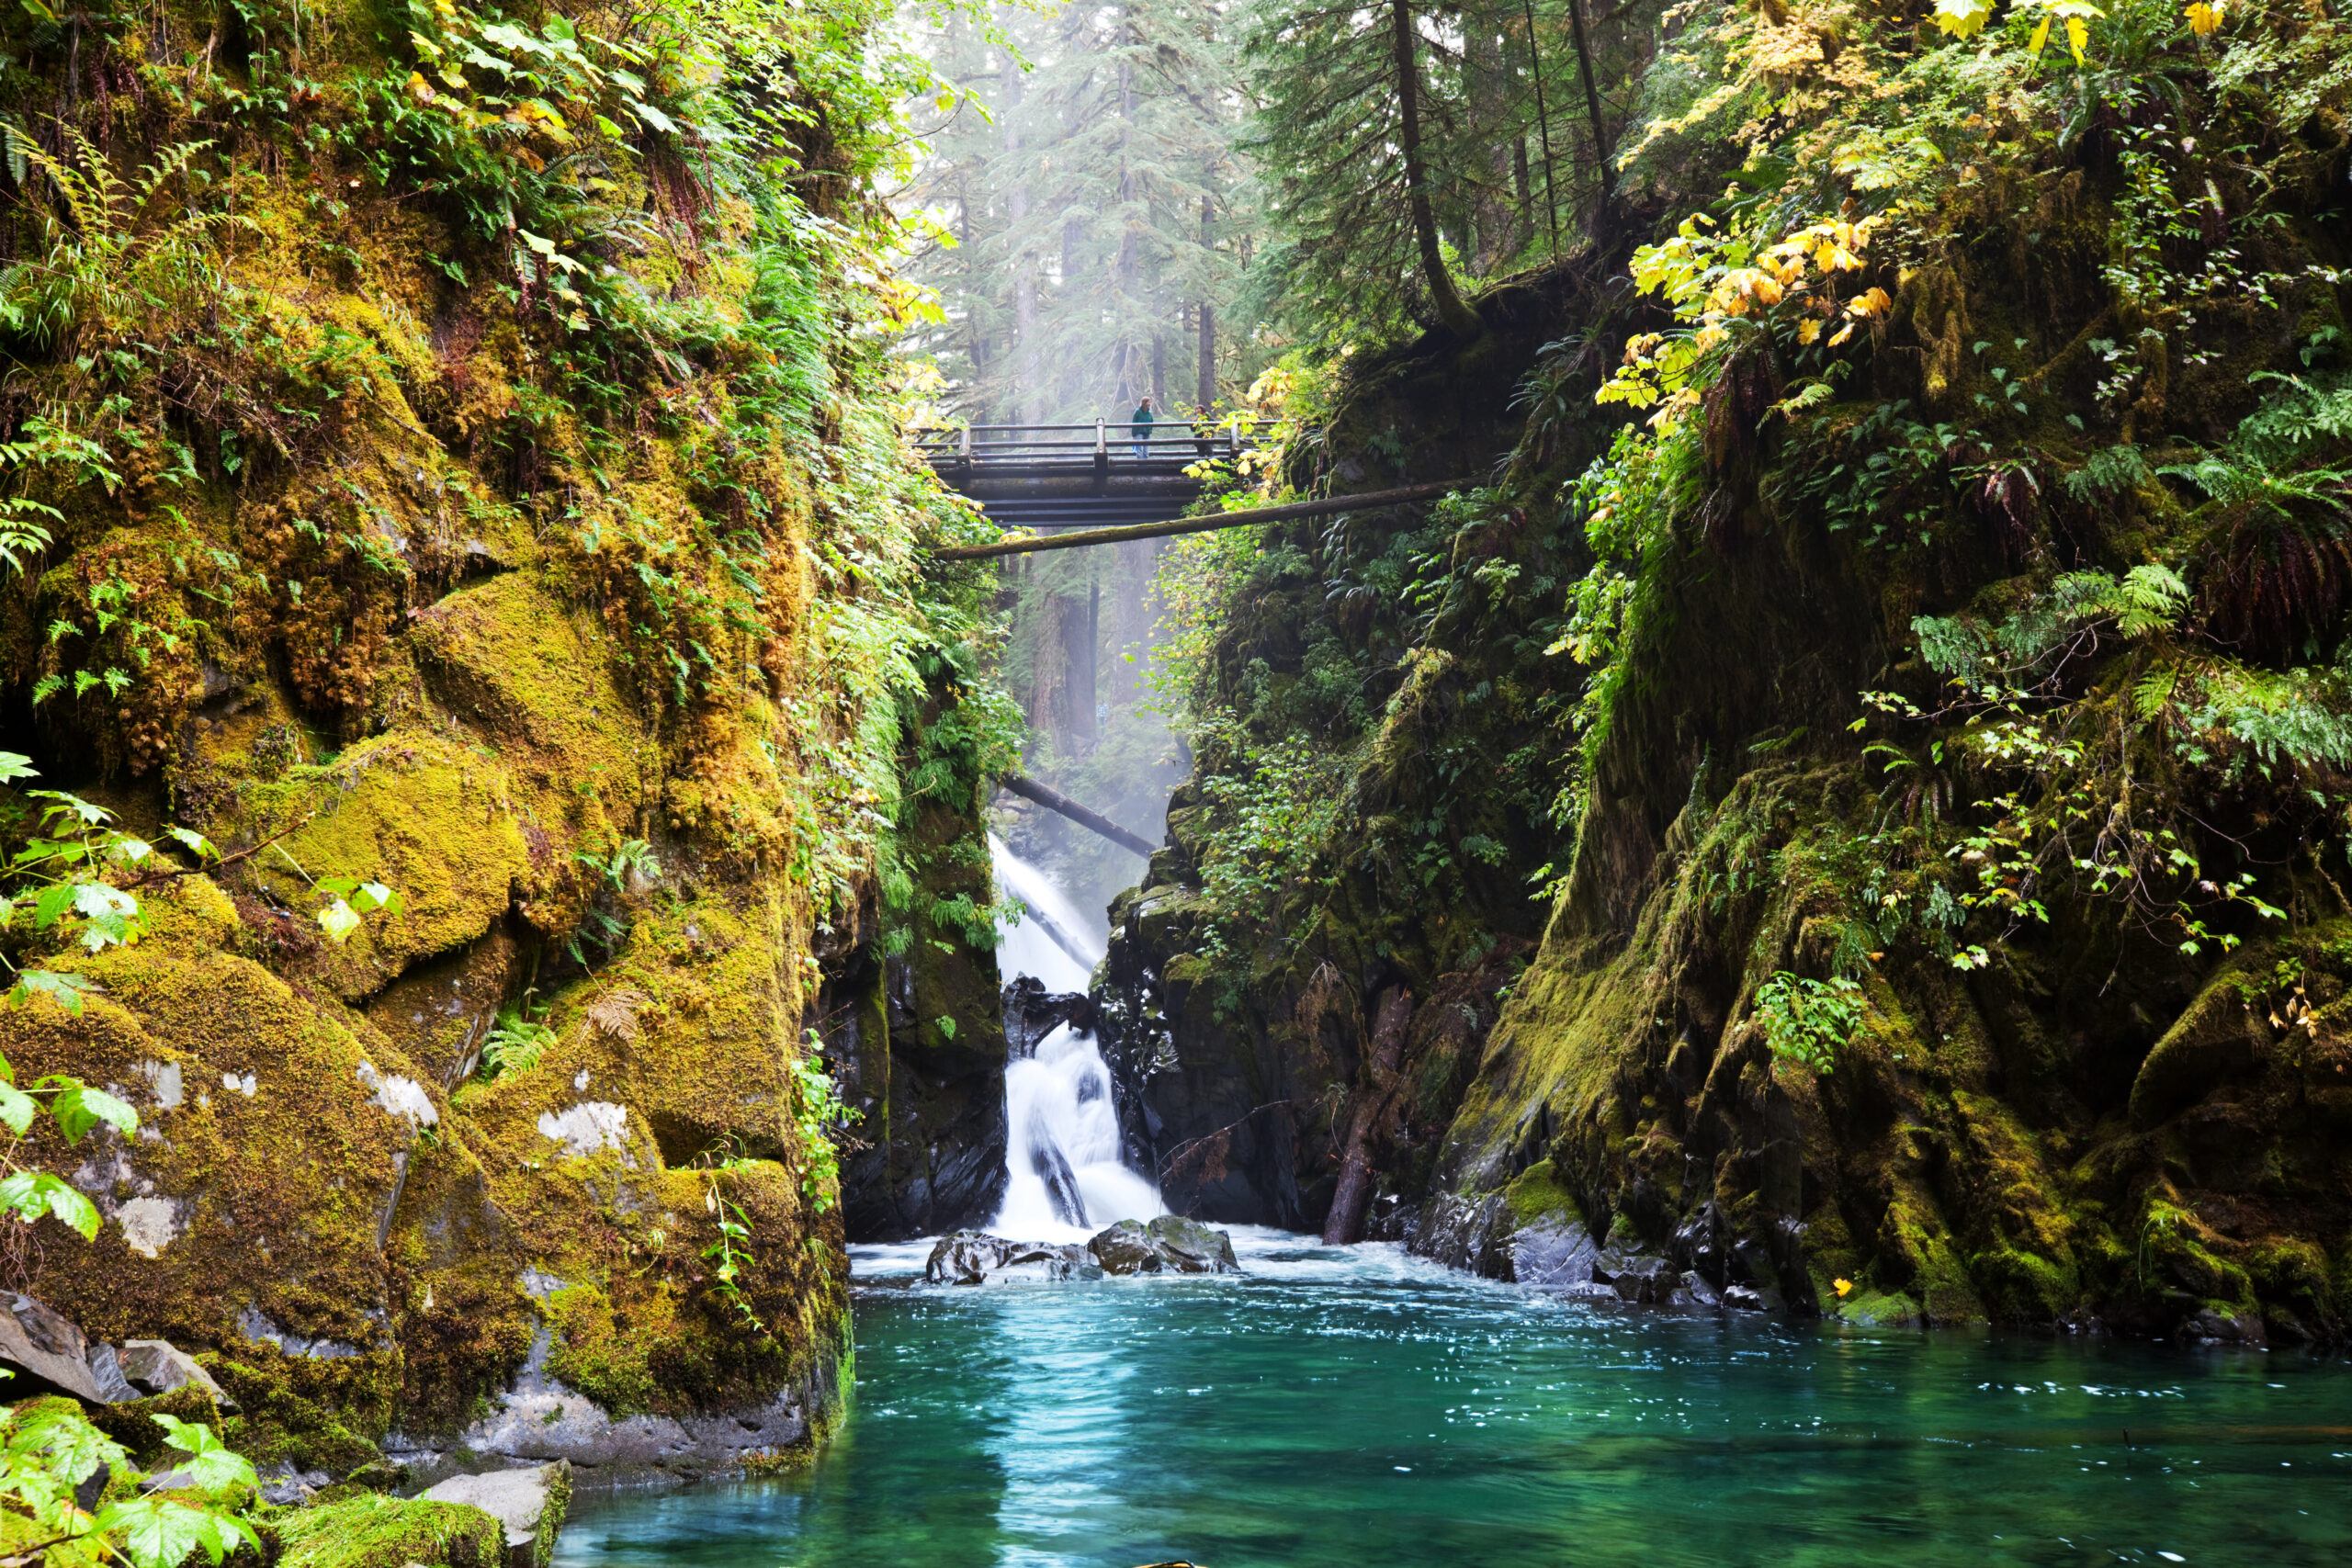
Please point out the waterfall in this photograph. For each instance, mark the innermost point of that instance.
(1065, 1179)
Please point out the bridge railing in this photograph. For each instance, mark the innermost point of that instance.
(1081, 445)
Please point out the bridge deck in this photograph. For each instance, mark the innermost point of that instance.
(1083, 476)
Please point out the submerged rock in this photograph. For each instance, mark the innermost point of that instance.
(969, 1258)
(1169, 1244)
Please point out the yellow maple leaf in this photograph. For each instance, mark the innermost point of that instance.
(2205, 19)
(1844, 1288)
(1963, 18)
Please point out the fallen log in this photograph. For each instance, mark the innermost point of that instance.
(1054, 800)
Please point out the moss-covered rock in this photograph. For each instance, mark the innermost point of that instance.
(390, 1532)
(539, 618)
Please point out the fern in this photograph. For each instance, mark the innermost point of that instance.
(2107, 472)
(2297, 719)
(518, 1038)
(2305, 415)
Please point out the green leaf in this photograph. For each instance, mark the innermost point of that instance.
(653, 118)
(52, 903)
(196, 841)
(63, 989)
(338, 921)
(78, 1108)
(30, 1195)
(16, 1109)
(209, 1464)
(73, 806)
(14, 765)
(160, 1532)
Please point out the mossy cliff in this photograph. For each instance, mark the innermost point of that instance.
(458, 458)
(1913, 691)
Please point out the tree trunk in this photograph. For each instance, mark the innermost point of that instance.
(1482, 55)
(1543, 123)
(1025, 273)
(1345, 1222)
(1592, 106)
(1524, 192)
(1209, 314)
(1458, 318)
(1091, 663)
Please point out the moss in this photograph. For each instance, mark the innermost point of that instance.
(312, 1411)
(133, 1424)
(1536, 1193)
(373, 1531)
(595, 1352)
(1879, 1309)
(280, 1195)
(434, 820)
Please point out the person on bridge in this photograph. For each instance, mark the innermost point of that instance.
(1141, 428)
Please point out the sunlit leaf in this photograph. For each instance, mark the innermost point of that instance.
(338, 921)
(1963, 18)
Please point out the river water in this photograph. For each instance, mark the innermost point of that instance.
(1356, 1407)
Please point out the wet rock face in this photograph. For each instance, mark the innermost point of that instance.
(1031, 1012)
(43, 1346)
(541, 1420)
(929, 1096)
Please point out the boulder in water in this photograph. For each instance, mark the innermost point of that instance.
(1192, 1247)
(1127, 1249)
(529, 1505)
(1169, 1244)
(969, 1258)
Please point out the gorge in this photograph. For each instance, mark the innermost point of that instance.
(1765, 947)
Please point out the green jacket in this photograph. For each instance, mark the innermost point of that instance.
(1141, 430)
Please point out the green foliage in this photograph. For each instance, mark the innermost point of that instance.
(1628, 502)
(518, 1037)
(822, 1120)
(48, 1448)
(1807, 1021)
(730, 1254)
(65, 854)
(27, 1195)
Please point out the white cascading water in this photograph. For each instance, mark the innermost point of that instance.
(1058, 1102)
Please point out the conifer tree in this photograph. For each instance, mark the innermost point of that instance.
(1108, 206)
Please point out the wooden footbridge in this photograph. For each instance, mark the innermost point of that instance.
(1063, 486)
(1050, 476)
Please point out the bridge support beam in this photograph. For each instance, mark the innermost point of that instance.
(1074, 540)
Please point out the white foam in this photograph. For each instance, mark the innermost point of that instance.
(1062, 1097)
